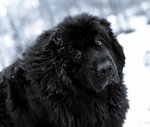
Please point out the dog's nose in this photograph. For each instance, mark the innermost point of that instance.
(105, 69)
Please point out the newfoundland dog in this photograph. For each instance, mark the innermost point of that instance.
(70, 77)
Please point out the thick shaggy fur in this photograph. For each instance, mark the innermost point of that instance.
(51, 85)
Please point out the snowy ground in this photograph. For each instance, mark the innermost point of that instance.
(137, 75)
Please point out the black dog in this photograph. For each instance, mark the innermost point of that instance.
(71, 77)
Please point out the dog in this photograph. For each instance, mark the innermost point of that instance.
(70, 77)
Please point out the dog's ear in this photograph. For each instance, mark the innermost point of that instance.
(118, 49)
(50, 40)
(106, 24)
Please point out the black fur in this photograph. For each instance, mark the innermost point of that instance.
(52, 85)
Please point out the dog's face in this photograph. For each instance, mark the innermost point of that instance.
(98, 69)
(94, 68)
(89, 56)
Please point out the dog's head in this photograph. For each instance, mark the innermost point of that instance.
(81, 51)
(89, 52)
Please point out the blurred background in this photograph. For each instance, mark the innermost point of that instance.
(21, 21)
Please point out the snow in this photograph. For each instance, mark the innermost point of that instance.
(147, 59)
(136, 73)
(6, 51)
(2, 10)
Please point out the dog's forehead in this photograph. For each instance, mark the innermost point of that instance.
(79, 38)
(80, 32)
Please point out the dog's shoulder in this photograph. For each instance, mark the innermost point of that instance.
(5, 120)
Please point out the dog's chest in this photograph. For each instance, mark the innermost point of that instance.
(79, 115)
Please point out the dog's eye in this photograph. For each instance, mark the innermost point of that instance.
(99, 42)
(78, 54)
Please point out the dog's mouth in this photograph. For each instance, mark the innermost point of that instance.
(103, 75)
(97, 81)
(99, 84)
